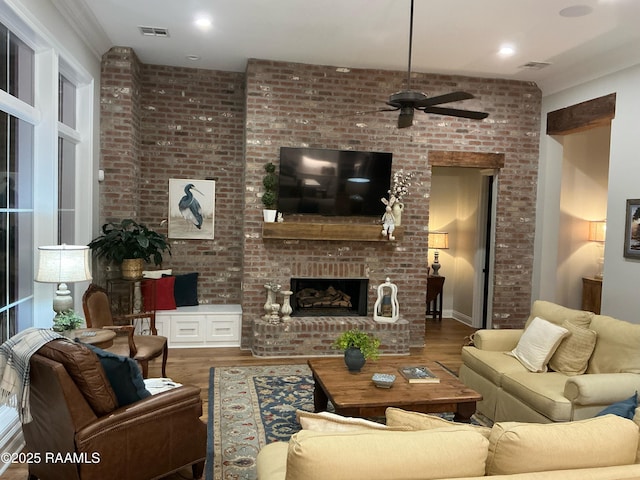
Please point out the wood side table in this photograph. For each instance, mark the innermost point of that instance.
(591, 294)
(434, 296)
(99, 337)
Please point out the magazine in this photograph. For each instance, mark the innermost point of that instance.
(418, 374)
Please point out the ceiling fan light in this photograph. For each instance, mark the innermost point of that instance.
(405, 119)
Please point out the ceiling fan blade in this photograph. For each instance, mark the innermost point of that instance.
(454, 112)
(446, 98)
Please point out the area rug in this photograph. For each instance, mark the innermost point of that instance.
(250, 407)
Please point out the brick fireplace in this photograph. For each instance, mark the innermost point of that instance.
(330, 297)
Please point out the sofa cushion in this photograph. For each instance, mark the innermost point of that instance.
(330, 422)
(543, 393)
(85, 369)
(616, 349)
(397, 417)
(380, 455)
(489, 364)
(557, 314)
(532, 447)
(625, 408)
(158, 294)
(572, 355)
(124, 376)
(538, 343)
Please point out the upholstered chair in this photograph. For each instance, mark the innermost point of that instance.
(142, 348)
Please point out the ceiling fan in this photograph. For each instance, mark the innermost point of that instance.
(407, 101)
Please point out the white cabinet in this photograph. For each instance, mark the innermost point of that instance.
(201, 326)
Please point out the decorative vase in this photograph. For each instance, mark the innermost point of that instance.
(271, 299)
(132, 268)
(286, 309)
(354, 359)
(396, 211)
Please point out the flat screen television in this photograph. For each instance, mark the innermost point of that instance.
(333, 182)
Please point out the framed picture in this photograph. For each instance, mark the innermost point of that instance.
(191, 208)
(632, 230)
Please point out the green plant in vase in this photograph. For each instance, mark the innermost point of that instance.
(270, 195)
(67, 320)
(358, 347)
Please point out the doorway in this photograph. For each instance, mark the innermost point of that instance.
(462, 204)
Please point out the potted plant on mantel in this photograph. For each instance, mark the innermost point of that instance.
(270, 196)
(358, 347)
(130, 244)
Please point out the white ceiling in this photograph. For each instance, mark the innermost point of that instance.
(450, 36)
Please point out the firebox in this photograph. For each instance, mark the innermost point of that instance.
(329, 297)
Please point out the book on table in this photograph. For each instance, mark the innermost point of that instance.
(418, 374)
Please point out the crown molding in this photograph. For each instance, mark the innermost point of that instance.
(85, 24)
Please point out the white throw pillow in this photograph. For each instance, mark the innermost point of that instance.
(538, 343)
(155, 274)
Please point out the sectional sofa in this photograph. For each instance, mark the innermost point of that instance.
(595, 364)
(415, 446)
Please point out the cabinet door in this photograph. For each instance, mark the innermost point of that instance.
(186, 329)
(223, 329)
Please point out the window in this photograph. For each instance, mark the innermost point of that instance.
(67, 141)
(16, 189)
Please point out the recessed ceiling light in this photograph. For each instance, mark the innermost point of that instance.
(193, 57)
(506, 50)
(203, 23)
(575, 11)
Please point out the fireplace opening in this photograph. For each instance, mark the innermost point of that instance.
(330, 297)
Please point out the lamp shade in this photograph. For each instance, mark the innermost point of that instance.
(597, 231)
(63, 263)
(438, 240)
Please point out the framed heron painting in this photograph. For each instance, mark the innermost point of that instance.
(191, 208)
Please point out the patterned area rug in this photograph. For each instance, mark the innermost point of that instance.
(248, 408)
(252, 406)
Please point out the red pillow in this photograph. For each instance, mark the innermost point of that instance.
(164, 299)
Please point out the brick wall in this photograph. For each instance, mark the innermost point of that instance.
(306, 105)
(188, 124)
(192, 123)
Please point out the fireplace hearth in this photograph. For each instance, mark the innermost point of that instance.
(329, 297)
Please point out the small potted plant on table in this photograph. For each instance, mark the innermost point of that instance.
(358, 347)
(65, 322)
(269, 197)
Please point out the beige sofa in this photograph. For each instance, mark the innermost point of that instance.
(604, 447)
(610, 371)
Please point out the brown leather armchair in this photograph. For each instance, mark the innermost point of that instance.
(78, 431)
(142, 348)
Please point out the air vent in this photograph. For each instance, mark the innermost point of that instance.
(153, 31)
(535, 65)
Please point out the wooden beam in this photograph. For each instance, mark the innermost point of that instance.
(327, 231)
(442, 158)
(582, 116)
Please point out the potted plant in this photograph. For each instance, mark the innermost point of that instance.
(66, 321)
(130, 244)
(270, 195)
(358, 347)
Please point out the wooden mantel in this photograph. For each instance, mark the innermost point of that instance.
(327, 231)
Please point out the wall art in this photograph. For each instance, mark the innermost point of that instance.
(191, 208)
(632, 229)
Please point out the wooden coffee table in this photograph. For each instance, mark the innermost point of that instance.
(356, 395)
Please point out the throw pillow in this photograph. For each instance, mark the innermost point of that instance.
(185, 290)
(162, 291)
(330, 422)
(124, 376)
(573, 353)
(625, 408)
(538, 343)
(396, 417)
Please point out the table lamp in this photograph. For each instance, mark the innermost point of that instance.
(63, 264)
(437, 241)
(598, 233)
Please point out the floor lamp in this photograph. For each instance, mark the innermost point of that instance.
(437, 241)
(62, 264)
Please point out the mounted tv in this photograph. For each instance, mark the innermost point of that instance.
(333, 182)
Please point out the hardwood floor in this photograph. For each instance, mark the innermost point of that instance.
(443, 341)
